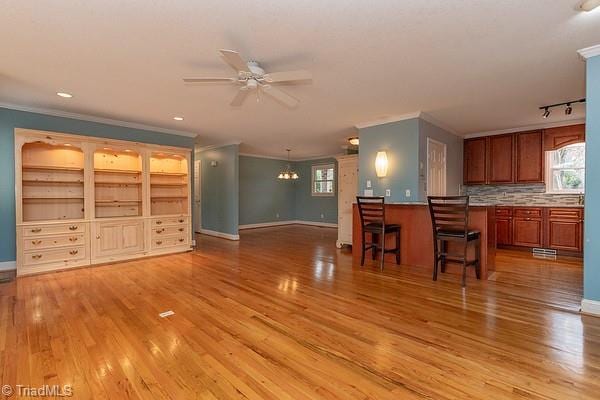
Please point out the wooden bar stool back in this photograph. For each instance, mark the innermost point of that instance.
(372, 220)
(450, 223)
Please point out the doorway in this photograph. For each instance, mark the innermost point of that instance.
(436, 168)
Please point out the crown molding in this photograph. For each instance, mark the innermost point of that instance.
(589, 52)
(217, 146)
(387, 120)
(426, 117)
(291, 160)
(91, 118)
(527, 128)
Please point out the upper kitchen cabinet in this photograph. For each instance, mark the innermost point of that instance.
(501, 167)
(555, 138)
(475, 161)
(529, 157)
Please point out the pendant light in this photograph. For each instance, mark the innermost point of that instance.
(287, 173)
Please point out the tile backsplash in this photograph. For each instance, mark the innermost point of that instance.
(530, 194)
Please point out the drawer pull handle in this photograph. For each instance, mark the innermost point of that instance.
(73, 252)
(36, 256)
(181, 240)
(181, 229)
(159, 242)
(36, 230)
(73, 239)
(527, 219)
(36, 242)
(181, 220)
(73, 227)
(160, 230)
(158, 222)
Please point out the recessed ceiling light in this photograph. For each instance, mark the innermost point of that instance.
(65, 95)
(178, 118)
(353, 141)
(589, 5)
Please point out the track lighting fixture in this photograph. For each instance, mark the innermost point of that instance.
(568, 109)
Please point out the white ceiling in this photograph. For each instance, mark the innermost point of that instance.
(474, 65)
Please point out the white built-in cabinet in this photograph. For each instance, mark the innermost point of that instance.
(347, 191)
(82, 200)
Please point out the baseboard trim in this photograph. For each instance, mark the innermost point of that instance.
(222, 235)
(590, 307)
(290, 222)
(8, 266)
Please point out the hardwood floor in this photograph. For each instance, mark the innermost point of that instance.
(283, 314)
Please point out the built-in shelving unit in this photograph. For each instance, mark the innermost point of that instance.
(52, 179)
(118, 183)
(169, 189)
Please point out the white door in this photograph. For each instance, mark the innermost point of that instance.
(197, 210)
(436, 168)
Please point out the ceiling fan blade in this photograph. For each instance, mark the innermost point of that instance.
(288, 76)
(281, 96)
(239, 97)
(209, 80)
(234, 59)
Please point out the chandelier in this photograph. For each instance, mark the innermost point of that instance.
(287, 173)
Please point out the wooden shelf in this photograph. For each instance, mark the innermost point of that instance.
(106, 183)
(169, 184)
(52, 168)
(169, 197)
(45, 182)
(52, 198)
(117, 201)
(169, 173)
(118, 171)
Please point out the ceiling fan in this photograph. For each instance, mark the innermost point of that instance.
(251, 77)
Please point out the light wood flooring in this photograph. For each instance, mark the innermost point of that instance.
(283, 314)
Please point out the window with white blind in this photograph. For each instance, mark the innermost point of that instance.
(323, 180)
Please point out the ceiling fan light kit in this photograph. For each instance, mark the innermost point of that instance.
(250, 76)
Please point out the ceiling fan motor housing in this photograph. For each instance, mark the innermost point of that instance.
(255, 68)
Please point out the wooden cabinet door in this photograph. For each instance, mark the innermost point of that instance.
(529, 157)
(109, 237)
(501, 165)
(527, 232)
(565, 235)
(133, 236)
(475, 161)
(504, 228)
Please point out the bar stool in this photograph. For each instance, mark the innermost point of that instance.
(450, 220)
(372, 220)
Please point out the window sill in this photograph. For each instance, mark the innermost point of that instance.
(571, 193)
(323, 194)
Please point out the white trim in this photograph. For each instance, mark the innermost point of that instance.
(589, 52)
(591, 307)
(290, 222)
(91, 118)
(527, 128)
(8, 266)
(217, 146)
(387, 120)
(291, 160)
(222, 235)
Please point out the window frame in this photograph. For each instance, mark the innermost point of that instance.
(314, 169)
(549, 170)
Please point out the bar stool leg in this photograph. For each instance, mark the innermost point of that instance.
(382, 250)
(398, 247)
(435, 259)
(478, 258)
(364, 246)
(374, 239)
(442, 256)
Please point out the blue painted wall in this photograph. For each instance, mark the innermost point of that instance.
(263, 197)
(220, 189)
(11, 119)
(591, 270)
(401, 142)
(309, 207)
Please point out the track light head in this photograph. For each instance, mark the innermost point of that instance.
(569, 109)
(546, 113)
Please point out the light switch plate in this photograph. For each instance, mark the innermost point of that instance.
(407, 192)
(368, 183)
(388, 192)
(369, 192)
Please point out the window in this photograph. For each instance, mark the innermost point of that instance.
(323, 177)
(565, 169)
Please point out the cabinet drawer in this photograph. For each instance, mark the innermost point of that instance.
(169, 221)
(504, 211)
(528, 212)
(44, 242)
(565, 213)
(159, 231)
(53, 229)
(54, 255)
(158, 243)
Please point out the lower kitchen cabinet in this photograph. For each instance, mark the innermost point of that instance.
(527, 232)
(565, 229)
(116, 239)
(504, 230)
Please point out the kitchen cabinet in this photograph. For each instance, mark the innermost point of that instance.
(504, 226)
(555, 138)
(565, 229)
(529, 157)
(475, 161)
(527, 227)
(501, 166)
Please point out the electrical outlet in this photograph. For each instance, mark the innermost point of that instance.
(407, 193)
(322, 216)
(277, 215)
(368, 184)
(388, 192)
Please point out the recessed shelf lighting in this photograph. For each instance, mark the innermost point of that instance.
(65, 95)
(178, 118)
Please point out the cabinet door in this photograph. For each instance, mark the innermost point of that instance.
(109, 237)
(504, 231)
(347, 190)
(501, 159)
(133, 236)
(529, 157)
(475, 161)
(527, 232)
(565, 235)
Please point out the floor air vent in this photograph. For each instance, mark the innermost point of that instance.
(544, 253)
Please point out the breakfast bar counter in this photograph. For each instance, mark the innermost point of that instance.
(416, 241)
